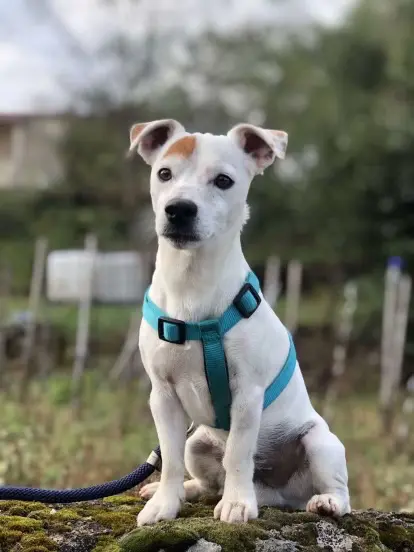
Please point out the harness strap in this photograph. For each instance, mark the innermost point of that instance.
(178, 332)
(210, 333)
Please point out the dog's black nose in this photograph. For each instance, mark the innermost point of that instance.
(181, 211)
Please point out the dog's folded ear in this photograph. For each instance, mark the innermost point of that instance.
(262, 145)
(149, 138)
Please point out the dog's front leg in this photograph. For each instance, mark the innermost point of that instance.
(239, 503)
(170, 421)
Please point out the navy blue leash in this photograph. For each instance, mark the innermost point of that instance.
(64, 496)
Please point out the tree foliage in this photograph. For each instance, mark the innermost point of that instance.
(342, 199)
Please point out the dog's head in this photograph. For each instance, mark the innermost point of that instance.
(200, 182)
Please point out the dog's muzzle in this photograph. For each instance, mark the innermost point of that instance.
(181, 215)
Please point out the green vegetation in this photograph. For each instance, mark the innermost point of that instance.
(106, 320)
(109, 526)
(44, 444)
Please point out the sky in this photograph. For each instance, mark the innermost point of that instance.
(48, 46)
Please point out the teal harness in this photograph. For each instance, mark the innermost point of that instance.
(211, 333)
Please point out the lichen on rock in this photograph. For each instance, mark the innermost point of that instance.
(110, 526)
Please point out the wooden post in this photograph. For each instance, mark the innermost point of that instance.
(82, 331)
(341, 346)
(36, 285)
(5, 281)
(271, 287)
(293, 289)
(398, 347)
(129, 348)
(392, 281)
(400, 330)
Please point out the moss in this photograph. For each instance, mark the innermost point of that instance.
(38, 540)
(397, 537)
(163, 536)
(122, 499)
(95, 527)
(18, 523)
(17, 507)
(17, 510)
(362, 528)
(199, 510)
(35, 526)
(107, 544)
(118, 522)
(304, 534)
(8, 538)
(367, 548)
(187, 530)
(281, 517)
(66, 515)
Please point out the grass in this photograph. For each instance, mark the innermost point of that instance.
(105, 319)
(378, 477)
(43, 444)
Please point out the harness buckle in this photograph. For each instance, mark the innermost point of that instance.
(238, 300)
(179, 324)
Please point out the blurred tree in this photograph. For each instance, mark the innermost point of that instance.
(342, 198)
(345, 97)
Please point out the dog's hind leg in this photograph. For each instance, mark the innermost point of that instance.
(268, 496)
(203, 460)
(192, 490)
(327, 466)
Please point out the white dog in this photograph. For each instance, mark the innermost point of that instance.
(276, 454)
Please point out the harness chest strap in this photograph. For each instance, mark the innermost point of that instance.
(210, 333)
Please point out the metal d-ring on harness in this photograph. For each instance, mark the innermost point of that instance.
(210, 333)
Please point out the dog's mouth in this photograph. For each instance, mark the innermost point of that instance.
(181, 239)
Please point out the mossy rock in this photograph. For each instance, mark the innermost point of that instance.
(110, 526)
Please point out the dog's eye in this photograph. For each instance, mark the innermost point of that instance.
(223, 181)
(164, 174)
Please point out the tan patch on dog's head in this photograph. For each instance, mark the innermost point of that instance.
(183, 147)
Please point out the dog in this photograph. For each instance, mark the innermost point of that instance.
(284, 455)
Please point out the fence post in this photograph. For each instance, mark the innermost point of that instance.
(271, 285)
(293, 289)
(82, 330)
(129, 348)
(341, 346)
(36, 285)
(5, 281)
(391, 285)
(397, 349)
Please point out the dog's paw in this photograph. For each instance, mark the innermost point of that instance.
(327, 505)
(160, 507)
(236, 511)
(148, 491)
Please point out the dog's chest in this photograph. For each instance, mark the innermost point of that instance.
(182, 366)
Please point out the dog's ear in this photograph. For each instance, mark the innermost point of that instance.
(260, 144)
(149, 138)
